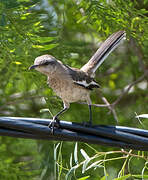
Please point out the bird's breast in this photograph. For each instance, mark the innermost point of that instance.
(67, 90)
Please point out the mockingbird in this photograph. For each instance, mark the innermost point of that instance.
(72, 84)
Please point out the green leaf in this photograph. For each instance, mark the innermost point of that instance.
(44, 39)
(44, 110)
(17, 62)
(70, 161)
(70, 172)
(95, 165)
(123, 177)
(142, 116)
(45, 47)
(83, 178)
(82, 19)
(84, 154)
(104, 178)
(85, 165)
(55, 151)
(76, 153)
(140, 176)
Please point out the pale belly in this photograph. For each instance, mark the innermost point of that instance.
(73, 94)
(69, 92)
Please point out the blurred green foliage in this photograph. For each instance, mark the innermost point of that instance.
(70, 31)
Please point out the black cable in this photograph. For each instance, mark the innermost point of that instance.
(35, 128)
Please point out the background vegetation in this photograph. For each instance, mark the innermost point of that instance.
(71, 30)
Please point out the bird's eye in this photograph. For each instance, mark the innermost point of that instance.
(46, 63)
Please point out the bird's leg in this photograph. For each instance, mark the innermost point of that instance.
(90, 111)
(55, 118)
(89, 123)
(90, 115)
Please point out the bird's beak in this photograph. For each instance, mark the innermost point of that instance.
(33, 67)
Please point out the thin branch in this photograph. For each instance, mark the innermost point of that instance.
(111, 108)
(21, 99)
(134, 155)
(125, 91)
(18, 100)
(97, 105)
(139, 120)
(116, 152)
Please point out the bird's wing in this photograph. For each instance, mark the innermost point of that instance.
(82, 79)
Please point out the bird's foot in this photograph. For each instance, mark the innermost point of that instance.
(87, 124)
(55, 123)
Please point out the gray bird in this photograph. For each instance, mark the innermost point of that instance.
(72, 84)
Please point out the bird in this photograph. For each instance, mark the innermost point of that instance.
(73, 84)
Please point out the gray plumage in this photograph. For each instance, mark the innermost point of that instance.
(72, 84)
(79, 76)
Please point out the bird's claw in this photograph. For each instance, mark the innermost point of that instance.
(87, 124)
(54, 123)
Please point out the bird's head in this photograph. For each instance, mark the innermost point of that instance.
(44, 64)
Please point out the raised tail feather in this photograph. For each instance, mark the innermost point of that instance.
(102, 53)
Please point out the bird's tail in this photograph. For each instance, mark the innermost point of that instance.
(102, 53)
